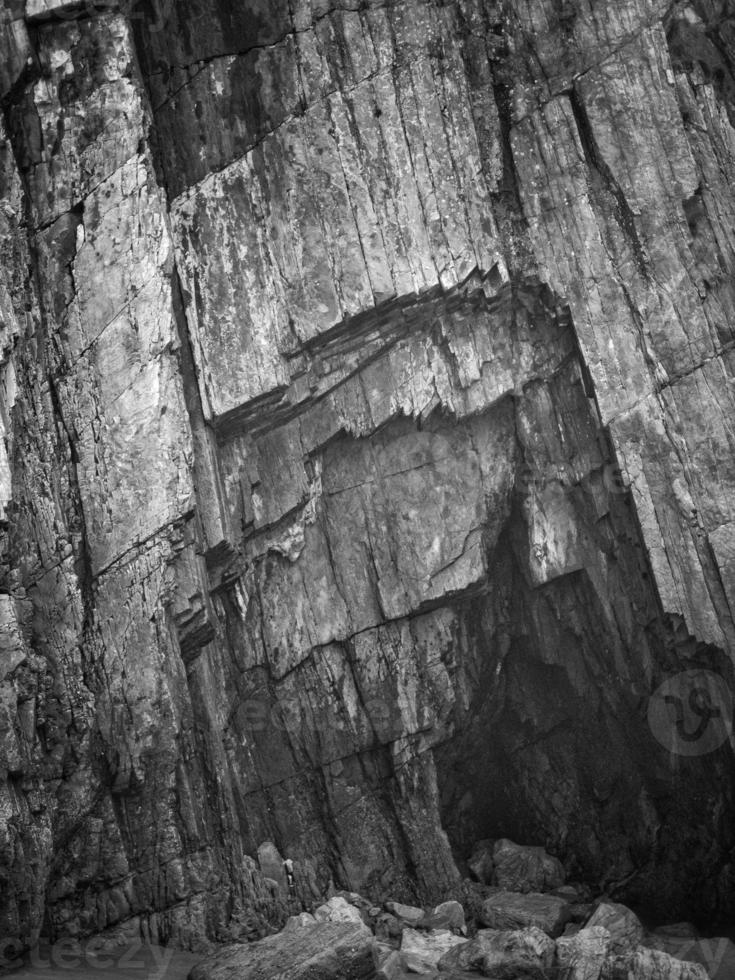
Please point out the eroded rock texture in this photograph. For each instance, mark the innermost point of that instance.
(367, 388)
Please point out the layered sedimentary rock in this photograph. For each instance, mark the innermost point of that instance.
(367, 390)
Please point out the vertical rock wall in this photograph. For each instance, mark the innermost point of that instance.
(367, 391)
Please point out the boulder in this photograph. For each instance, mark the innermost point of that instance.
(650, 964)
(352, 898)
(509, 910)
(624, 926)
(421, 951)
(337, 909)
(582, 955)
(304, 920)
(520, 868)
(406, 913)
(480, 862)
(326, 951)
(391, 968)
(448, 915)
(470, 954)
(523, 954)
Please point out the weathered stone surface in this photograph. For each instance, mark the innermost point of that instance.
(526, 953)
(366, 460)
(503, 954)
(326, 951)
(509, 910)
(447, 915)
(582, 956)
(520, 868)
(421, 951)
(623, 925)
(470, 954)
(406, 913)
(650, 964)
(480, 862)
(304, 920)
(337, 910)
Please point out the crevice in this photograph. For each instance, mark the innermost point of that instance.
(623, 212)
(84, 571)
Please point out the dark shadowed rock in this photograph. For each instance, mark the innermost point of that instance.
(526, 953)
(520, 868)
(715, 953)
(326, 951)
(503, 955)
(421, 951)
(480, 862)
(470, 954)
(387, 926)
(510, 910)
(650, 964)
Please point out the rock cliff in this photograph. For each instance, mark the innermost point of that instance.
(368, 396)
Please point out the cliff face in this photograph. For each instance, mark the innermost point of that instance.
(368, 393)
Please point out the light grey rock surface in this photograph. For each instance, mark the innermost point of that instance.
(326, 951)
(367, 459)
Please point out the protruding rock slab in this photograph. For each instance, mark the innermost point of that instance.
(328, 951)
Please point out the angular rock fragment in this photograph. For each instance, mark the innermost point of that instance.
(581, 956)
(337, 910)
(409, 914)
(470, 954)
(622, 924)
(448, 915)
(520, 868)
(503, 954)
(510, 910)
(650, 964)
(421, 951)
